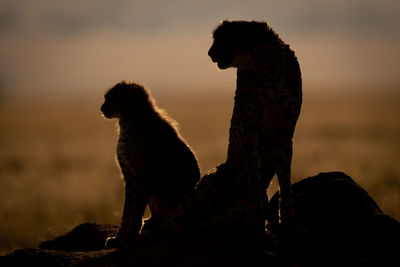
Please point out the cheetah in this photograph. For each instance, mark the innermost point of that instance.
(267, 105)
(158, 167)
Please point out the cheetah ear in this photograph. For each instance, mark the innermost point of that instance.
(224, 22)
(123, 83)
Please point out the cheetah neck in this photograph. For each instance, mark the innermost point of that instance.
(131, 126)
(266, 70)
(255, 84)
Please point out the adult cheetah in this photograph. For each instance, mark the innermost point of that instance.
(157, 165)
(267, 105)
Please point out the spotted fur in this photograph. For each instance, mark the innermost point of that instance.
(157, 165)
(267, 105)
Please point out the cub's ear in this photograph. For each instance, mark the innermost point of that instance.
(122, 83)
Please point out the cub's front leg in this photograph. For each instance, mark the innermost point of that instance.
(136, 199)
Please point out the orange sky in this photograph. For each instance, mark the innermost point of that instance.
(86, 46)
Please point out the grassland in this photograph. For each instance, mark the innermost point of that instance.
(57, 165)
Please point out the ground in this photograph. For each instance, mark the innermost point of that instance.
(336, 231)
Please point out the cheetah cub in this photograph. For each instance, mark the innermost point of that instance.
(158, 167)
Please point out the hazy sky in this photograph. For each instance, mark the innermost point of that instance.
(65, 47)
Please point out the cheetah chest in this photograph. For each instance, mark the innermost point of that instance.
(134, 154)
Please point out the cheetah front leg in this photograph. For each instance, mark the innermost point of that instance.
(285, 187)
(136, 199)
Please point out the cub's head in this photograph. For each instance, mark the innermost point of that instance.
(124, 99)
(235, 42)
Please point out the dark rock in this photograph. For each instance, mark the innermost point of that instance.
(85, 237)
(197, 251)
(328, 199)
(40, 257)
(344, 224)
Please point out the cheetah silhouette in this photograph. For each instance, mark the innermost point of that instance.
(158, 167)
(267, 105)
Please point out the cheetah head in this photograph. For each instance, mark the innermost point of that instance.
(235, 43)
(125, 99)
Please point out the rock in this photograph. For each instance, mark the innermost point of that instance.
(85, 237)
(33, 257)
(344, 224)
(328, 199)
(197, 251)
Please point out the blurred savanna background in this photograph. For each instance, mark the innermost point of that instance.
(57, 153)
